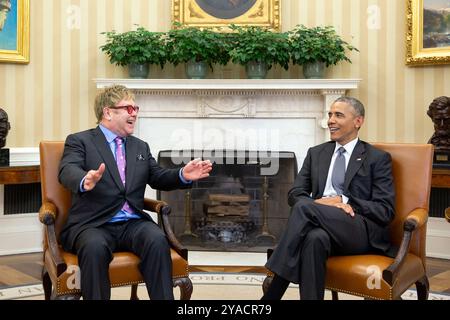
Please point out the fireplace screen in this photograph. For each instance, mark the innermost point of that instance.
(242, 206)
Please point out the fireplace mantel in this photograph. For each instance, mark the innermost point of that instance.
(232, 84)
(236, 98)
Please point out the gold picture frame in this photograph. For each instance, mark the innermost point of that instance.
(15, 36)
(216, 14)
(425, 45)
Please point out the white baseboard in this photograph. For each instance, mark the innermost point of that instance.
(438, 238)
(208, 258)
(20, 233)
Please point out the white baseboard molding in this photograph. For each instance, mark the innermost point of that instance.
(208, 258)
(438, 238)
(20, 233)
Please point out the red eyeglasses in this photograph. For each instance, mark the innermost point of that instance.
(129, 108)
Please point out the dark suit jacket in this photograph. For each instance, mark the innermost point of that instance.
(85, 151)
(368, 185)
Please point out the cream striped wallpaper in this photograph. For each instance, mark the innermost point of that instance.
(52, 95)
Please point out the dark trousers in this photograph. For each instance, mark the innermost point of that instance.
(95, 247)
(313, 233)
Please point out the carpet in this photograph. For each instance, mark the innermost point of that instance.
(207, 286)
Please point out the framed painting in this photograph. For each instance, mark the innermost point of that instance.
(221, 13)
(15, 31)
(428, 32)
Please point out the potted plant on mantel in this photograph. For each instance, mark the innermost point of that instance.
(258, 48)
(135, 49)
(316, 48)
(197, 48)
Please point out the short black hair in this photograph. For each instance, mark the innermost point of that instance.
(355, 103)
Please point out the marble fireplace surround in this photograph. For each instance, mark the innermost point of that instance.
(212, 114)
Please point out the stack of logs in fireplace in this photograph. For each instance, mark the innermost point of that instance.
(227, 217)
(230, 206)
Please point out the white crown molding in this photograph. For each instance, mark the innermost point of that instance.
(231, 84)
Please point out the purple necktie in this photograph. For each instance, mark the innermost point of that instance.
(121, 165)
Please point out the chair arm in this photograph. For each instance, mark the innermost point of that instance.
(47, 213)
(154, 205)
(415, 219)
(163, 209)
(47, 216)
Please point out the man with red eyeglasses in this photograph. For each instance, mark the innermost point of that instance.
(107, 170)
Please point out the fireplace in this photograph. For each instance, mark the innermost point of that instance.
(242, 206)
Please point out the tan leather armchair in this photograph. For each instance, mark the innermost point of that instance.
(375, 276)
(60, 273)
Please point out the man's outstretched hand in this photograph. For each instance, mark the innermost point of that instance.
(197, 169)
(92, 177)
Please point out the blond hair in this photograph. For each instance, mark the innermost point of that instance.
(109, 97)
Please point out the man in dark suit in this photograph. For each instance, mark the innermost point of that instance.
(107, 170)
(342, 203)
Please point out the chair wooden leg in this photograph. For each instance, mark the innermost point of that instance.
(134, 295)
(266, 284)
(334, 295)
(185, 285)
(423, 288)
(47, 284)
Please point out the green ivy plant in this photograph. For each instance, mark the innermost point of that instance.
(135, 47)
(321, 44)
(190, 43)
(256, 43)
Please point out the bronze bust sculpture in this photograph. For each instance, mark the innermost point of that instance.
(5, 126)
(439, 112)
